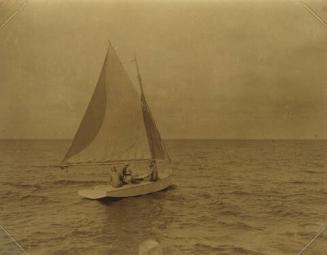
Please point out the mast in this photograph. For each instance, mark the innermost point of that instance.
(117, 125)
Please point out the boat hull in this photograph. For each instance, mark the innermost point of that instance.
(128, 190)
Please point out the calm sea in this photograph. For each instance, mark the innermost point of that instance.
(231, 197)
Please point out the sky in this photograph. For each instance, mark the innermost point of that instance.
(223, 69)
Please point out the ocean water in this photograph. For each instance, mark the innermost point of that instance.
(231, 197)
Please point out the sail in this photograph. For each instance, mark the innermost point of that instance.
(154, 139)
(93, 118)
(113, 125)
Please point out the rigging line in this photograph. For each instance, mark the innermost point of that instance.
(12, 238)
(314, 13)
(13, 15)
(312, 240)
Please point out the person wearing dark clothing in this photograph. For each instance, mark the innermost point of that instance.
(153, 171)
(127, 175)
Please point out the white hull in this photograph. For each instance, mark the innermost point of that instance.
(128, 190)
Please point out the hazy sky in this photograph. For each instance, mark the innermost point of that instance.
(211, 69)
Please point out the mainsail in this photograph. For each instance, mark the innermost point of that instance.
(117, 124)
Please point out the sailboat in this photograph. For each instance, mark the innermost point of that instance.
(118, 128)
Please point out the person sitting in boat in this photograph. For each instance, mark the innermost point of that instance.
(126, 169)
(116, 178)
(127, 174)
(153, 171)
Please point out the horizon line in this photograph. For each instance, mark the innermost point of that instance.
(212, 139)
